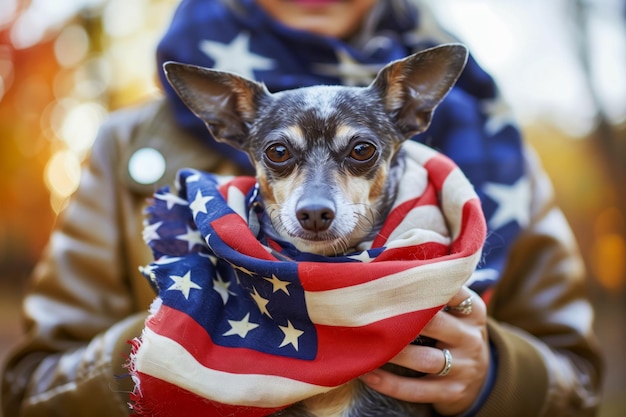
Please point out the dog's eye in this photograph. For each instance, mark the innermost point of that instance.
(363, 151)
(278, 153)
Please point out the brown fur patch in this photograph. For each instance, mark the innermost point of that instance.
(394, 99)
(334, 402)
(246, 98)
(276, 191)
(378, 184)
(264, 186)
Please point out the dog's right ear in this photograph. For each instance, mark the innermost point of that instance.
(411, 88)
(226, 102)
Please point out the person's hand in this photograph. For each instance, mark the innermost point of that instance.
(465, 337)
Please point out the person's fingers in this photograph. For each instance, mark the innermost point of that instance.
(463, 294)
(416, 390)
(450, 327)
(421, 358)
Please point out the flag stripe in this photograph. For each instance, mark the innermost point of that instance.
(155, 397)
(235, 233)
(410, 290)
(455, 194)
(398, 215)
(418, 227)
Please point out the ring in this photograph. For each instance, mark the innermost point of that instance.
(448, 365)
(464, 308)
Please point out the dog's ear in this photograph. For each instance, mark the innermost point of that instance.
(411, 88)
(226, 102)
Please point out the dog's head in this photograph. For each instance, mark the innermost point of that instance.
(326, 157)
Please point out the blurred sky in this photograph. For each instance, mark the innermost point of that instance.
(531, 47)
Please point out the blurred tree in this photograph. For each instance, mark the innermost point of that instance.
(609, 249)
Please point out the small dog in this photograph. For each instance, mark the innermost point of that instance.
(328, 160)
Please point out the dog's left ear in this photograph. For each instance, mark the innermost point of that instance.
(226, 102)
(411, 88)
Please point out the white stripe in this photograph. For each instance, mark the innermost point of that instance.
(455, 192)
(412, 184)
(179, 367)
(421, 224)
(415, 289)
(419, 152)
(237, 201)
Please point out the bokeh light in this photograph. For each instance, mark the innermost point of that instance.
(62, 176)
(71, 46)
(608, 255)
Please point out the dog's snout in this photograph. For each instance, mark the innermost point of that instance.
(315, 216)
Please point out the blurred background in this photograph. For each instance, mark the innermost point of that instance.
(561, 65)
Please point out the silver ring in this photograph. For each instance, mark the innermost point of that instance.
(464, 308)
(448, 365)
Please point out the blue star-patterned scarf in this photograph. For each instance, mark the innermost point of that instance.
(471, 126)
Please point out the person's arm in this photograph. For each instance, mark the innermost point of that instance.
(78, 309)
(548, 359)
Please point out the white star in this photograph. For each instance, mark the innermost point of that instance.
(513, 202)
(499, 116)
(150, 232)
(261, 303)
(192, 237)
(291, 335)
(277, 284)
(241, 327)
(171, 199)
(221, 287)
(363, 256)
(198, 205)
(236, 56)
(183, 284)
(351, 72)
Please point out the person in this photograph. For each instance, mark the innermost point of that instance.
(526, 348)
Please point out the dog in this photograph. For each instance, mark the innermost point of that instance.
(328, 160)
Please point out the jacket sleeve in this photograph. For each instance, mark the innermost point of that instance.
(79, 312)
(548, 361)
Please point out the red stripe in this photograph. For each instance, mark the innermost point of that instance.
(473, 229)
(323, 277)
(429, 251)
(429, 197)
(235, 233)
(244, 184)
(350, 352)
(160, 398)
(439, 167)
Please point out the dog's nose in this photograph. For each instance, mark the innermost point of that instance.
(315, 216)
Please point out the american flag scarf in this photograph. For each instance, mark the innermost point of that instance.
(246, 326)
